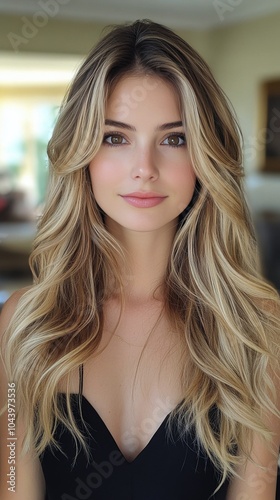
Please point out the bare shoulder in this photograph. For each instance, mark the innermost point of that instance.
(26, 478)
(259, 482)
(257, 478)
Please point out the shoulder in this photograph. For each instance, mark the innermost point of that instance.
(257, 477)
(29, 478)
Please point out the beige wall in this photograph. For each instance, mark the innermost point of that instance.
(242, 56)
(68, 37)
(57, 36)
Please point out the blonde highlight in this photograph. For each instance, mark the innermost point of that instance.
(214, 294)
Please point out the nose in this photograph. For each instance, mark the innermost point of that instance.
(144, 166)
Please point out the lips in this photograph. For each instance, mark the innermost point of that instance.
(144, 199)
(144, 194)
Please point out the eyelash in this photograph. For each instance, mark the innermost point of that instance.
(180, 135)
(111, 134)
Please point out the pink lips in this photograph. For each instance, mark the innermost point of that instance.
(143, 199)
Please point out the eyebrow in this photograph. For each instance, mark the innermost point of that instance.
(164, 126)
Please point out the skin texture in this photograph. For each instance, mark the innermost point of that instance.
(140, 153)
(143, 159)
(29, 478)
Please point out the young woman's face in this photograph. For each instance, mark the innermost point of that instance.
(142, 177)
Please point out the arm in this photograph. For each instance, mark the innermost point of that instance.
(255, 483)
(29, 481)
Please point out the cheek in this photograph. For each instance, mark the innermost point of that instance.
(183, 178)
(183, 185)
(102, 173)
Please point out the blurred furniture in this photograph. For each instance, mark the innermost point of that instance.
(15, 245)
(267, 226)
(270, 112)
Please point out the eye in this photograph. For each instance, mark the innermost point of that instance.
(175, 140)
(114, 139)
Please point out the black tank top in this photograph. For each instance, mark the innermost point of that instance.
(166, 469)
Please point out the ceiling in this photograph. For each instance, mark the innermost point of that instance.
(189, 14)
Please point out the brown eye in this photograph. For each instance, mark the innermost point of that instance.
(175, 140)
(114, 139)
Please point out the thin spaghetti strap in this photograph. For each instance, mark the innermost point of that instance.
(81, 379)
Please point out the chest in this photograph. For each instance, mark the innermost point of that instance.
(134, 380)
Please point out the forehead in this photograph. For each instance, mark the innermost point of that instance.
(136, 94)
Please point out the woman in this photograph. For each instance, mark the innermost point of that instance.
(145, 355)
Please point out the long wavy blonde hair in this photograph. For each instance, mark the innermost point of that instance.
(214, 294)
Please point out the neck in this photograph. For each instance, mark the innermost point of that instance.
(147, 259)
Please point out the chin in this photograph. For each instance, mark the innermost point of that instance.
(141, 225)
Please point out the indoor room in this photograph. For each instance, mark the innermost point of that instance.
(151, 304)
(41, 46)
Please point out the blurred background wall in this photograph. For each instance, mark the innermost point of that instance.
(43, 42)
